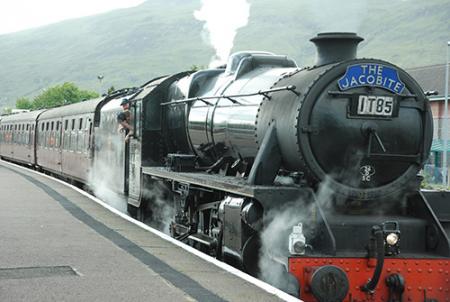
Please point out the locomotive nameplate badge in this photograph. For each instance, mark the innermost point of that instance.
(373, 75)
(367, 172)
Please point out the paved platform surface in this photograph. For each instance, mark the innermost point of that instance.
(58, 245)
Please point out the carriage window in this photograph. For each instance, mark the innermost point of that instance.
(15, 127)
(57, 125)
(73, 124)
(42, 126)
(81, 124)
(47, 126)
(66, 124)
(28, 127)
(52, 126)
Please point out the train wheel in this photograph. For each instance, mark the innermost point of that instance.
(250, 255)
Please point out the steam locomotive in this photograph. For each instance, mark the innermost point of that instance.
(308, 174)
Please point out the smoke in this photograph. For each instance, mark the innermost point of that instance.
(106, 176)
(222, 20)
(159, 209)
(338, 16)
(279, 222)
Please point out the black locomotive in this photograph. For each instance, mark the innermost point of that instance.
(337, 147)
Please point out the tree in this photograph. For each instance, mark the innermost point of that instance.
(67, 93)
(23, 103)
(7, 110)
(111, 90)
(197, 67)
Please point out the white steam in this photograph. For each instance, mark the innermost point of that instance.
(106, 176)
(159, 208)
(222, 20)
(279, 223)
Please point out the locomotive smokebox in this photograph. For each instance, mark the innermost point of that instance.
(335, 47)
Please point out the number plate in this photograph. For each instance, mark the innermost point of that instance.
(375, 105)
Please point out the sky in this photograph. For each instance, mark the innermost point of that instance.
(17, 15)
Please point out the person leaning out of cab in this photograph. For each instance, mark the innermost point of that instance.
(124, 119)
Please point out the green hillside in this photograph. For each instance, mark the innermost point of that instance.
(130, 46)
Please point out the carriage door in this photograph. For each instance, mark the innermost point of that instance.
(58, 142)
(134, 159)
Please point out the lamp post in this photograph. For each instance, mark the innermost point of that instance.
(445, 181)
(100, 78)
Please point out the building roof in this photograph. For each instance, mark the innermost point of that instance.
(430, 78)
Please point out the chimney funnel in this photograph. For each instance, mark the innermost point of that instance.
(336, 46)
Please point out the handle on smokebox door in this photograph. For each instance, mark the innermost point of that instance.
(371, 130)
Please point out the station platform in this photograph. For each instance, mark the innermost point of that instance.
(59, 244)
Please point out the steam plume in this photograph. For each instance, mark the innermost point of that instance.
(106, 176)
(279, 223)
(160, 211)
(222, 20)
